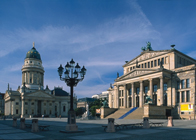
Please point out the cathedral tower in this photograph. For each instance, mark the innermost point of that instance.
(32, 70)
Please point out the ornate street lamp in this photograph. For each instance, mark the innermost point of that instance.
(71, 78)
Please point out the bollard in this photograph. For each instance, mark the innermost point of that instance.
(110, 127)
(14, 122)
(189, 117)
(146, 122)
(35, 127)
(22, 123)
(170, 121)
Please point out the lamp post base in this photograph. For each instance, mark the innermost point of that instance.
(71, 126)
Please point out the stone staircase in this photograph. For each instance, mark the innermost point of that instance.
(137, 114)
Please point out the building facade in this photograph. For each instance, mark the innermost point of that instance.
(2, 103)
(31, 99)
(166, 76)
(103, 95)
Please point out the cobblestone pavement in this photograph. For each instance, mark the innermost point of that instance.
(93, 130)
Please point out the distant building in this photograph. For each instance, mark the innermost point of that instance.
(31, 99)
(103, 95)
(2, 103)
(82, 102)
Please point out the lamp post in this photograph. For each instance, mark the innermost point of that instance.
(71, 78)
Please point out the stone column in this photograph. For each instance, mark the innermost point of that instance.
(53, 108)
(125, 96)
(151, 88)
(23, 108)
(110, 100)
(161, 91)
(141, 93)
(13, 107)
(10, 107)
(35, 107)
(59, 108)
(133, 95)
(29, 107)
(117, 97)
(47, 108)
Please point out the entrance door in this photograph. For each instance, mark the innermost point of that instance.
(39, 108)
(155, 99)
(130, 101)
(137, 101)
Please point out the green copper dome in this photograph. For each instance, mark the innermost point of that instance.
(33, 53)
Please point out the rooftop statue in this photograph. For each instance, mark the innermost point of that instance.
(148, 47)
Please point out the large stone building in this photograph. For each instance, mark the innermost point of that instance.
(103, 95)
(166, 76)
(2, 103)
(31, 99)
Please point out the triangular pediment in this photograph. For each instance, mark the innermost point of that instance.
(146, 55)
(39, 94)
(136, 72)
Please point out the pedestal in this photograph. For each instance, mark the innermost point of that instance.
(14, 122)
(22, 123)
(71, 126)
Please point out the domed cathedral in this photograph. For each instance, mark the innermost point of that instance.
(31, 99)
(32, 70)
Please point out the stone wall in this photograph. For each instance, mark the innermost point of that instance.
(106, 111)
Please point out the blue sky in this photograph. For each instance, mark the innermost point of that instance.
(99, 34)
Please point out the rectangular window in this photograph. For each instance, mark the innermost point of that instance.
(119, 93)
(63, 108)
(146, 89)
(26, 111)
(32, 111)
(50, 104)
(130, 91)
(16, 111)
(16, 103)
(155, 63)
(162, 60)
(122, 92)
(178, 97)
(187, 83)
(50, 112)
(158, 62)
(44, 111)
(32, 103)
(145, 65)
(142, 65)
(178, 85)
(122, 101)
(182, 96)
(119, 102)
(187, 96)
(133, 67)
(148, 64)
(180, 60)
(155, 88)
(151, 64)
(139, 66)
(137, 90)
(165, 86)
(26, 103)
(182, 84)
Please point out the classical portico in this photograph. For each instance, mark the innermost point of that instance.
(166, 76)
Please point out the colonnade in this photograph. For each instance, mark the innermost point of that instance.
(124, 99)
